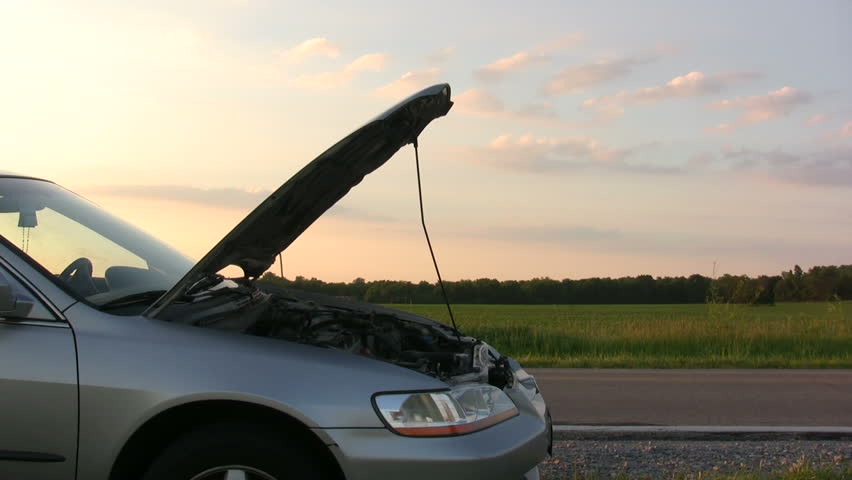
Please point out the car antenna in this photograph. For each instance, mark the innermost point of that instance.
(429, 242)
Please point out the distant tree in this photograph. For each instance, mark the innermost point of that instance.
(819, 283)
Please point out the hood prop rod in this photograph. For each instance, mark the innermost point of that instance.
(429, 242)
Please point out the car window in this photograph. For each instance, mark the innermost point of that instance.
(56, 241)
(91, 253)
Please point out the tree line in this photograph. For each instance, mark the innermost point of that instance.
(819, 283)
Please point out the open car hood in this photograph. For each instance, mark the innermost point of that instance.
(255, 242)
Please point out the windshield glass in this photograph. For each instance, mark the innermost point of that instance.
(92, 253)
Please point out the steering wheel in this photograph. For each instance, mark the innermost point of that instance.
(78, 276)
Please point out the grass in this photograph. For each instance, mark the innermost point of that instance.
(791, 335)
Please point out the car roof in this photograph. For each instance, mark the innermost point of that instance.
(8, 174)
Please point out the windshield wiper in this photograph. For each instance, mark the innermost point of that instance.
(139, 297)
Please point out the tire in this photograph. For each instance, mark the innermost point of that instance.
(260, 453)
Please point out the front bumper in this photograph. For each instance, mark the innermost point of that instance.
(509, 450)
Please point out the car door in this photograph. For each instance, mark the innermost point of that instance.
(38, 387)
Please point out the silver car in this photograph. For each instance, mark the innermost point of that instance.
(122, 359)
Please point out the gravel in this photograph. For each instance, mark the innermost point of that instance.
(664, 458)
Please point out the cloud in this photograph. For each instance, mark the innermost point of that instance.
(550, 155)
(760, 108)
(553, 233)
(536, 110)
(477, 100)
(411, 82)
(693, 84)
(668, 242)
(502, 67)
(225, 198)
(700, 160)
(816, 119)
(372, 62)
(314, 47)
(532, 154)
(664, 48)
(747, 157)
(837, 135)
(543, 153)
(567, 41)
(349, 213)
(580, 77)
(481, 103)
(442, 55)
(236, 198)
(721, 128)
(828, 167)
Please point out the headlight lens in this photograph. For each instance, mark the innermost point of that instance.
(463, 409)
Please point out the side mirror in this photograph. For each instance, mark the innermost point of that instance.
(11, 304)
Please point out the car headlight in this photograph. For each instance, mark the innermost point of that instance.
(460, 410)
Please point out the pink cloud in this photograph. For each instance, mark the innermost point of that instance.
(816, 119)
(372, 62)
(477, 100)
(523, 60)
(721, 128)
(410, 82)
(481, 103)
(840, 134)
(543, 153)
(504, 66)
(562, 43)
(314, 47)
(557, 155)
(829, 166)
(760, 108)
(580, 77)
(693, 84)
(442, 55)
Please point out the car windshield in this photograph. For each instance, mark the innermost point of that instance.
(93, 254)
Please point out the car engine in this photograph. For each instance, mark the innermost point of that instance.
(397, 337)
(372, 334)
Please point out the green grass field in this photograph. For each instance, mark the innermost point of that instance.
(792, 335)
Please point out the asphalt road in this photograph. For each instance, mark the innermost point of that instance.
(697, 397)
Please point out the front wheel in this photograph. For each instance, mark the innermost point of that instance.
(237, 452)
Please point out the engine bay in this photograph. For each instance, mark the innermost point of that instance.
(372, 334)
(404, 339)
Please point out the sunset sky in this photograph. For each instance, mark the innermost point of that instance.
(587, 138)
